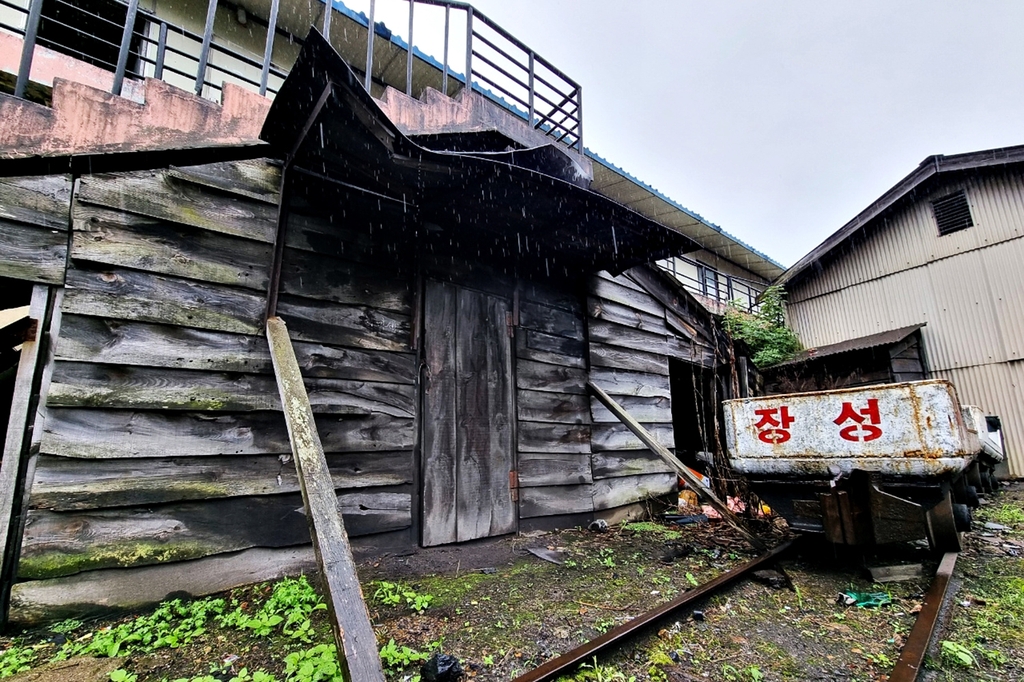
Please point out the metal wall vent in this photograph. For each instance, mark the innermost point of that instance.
(952, 212)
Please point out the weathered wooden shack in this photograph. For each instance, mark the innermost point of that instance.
(448, 308)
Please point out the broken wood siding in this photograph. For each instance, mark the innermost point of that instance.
(164, 440)
(636, 324)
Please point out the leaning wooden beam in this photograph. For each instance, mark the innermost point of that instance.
(353, 633)
(684, 473)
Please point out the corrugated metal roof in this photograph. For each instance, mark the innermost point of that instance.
(862, 343)
(929, 168)
(617, 184)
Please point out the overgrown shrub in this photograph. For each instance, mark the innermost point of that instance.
(764, 330)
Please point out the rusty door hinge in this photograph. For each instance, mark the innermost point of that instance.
(513, 485)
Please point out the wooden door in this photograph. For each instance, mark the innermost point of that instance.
(467, 416)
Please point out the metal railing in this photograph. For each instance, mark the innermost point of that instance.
(145, 44)
(497, 65)
(704, 280)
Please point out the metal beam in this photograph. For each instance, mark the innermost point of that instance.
(126, 43)
(268, 51)
(370, 31)
(28, 47)
(204, 51)
(408, 56)
(353, 632)
(909, 663)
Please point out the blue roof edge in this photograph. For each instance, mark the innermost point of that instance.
(672, 202)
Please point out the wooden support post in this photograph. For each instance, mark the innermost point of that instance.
(657, 448)
(353, 633)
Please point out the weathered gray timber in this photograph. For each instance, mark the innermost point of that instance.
(683, 472)
(256, 179)
(343, 281)
(554, 500)
(34, 227)
(121, 239)
(123, 342)
(64, 483)
(102, 433)
(346, 325)
(539, 406)
(37, 601)
(353, 632)
(159, 194)
(18, 428)
(536, 376)
(616, 492)
(57, 544)
(540, 468)
(614, 464)
(79, 384)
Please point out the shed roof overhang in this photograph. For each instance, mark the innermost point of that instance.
(325, 123)
(906, 189)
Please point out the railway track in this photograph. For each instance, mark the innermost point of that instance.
(906, 670)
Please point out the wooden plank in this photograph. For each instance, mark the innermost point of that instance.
(564, 408)
(557, 499)
(524, 352)
(550, 320)
(33, 253)
(63, 543)
(613, 464)
(601, 331)
(159, 195)
(99, 433)
(38, 200)
(646, 410)
(623, 295)
(616, 492)
(564, 438)
(621, 383)
(330, 279)
(65, 483)
(536, 376)
(123, 239)
(621, 280)
(558, 295)
(618, 437)
(78, 384)
(683, 472)
(346, 325)
(258, 179)
(483, 407)
(439, 437)
(353, 632)
(615, 313)
(21, 419)
(689, 313)
(93, 592)
(602, 355)
(146, 297)
(540, 469)
(138, 343)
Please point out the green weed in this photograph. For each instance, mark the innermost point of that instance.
(319, 664)
(957, 654)
(16, 659)
(397, 658)
(393, 594)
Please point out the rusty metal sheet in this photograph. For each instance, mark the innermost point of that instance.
(913, 428)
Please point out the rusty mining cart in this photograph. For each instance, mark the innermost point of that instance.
(870, 465)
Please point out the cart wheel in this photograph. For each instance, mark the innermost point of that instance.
(942, 528)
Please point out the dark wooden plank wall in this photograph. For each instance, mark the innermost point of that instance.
(554, 426)
(637, 323)
(164, 440)
(34, 227)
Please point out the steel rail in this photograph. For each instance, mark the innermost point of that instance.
(585, 652)
(909, 664)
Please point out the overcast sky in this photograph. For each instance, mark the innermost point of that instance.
(780, 121)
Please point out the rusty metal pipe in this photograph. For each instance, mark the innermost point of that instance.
(909, 663)
(569, 661)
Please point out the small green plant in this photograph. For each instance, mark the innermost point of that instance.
(601, 673)
(290, 605)
(691, 579)
(639, 527)
(65, 627)
(957, 654)
(393, 594)
(764, 330)
(16, 659)
(488, 660)
(751, 673)
(606, 557)
(122, 675)
(319, 664)
(1007, 514)
(397, 658)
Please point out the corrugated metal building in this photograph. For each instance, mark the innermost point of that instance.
(945, 247)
